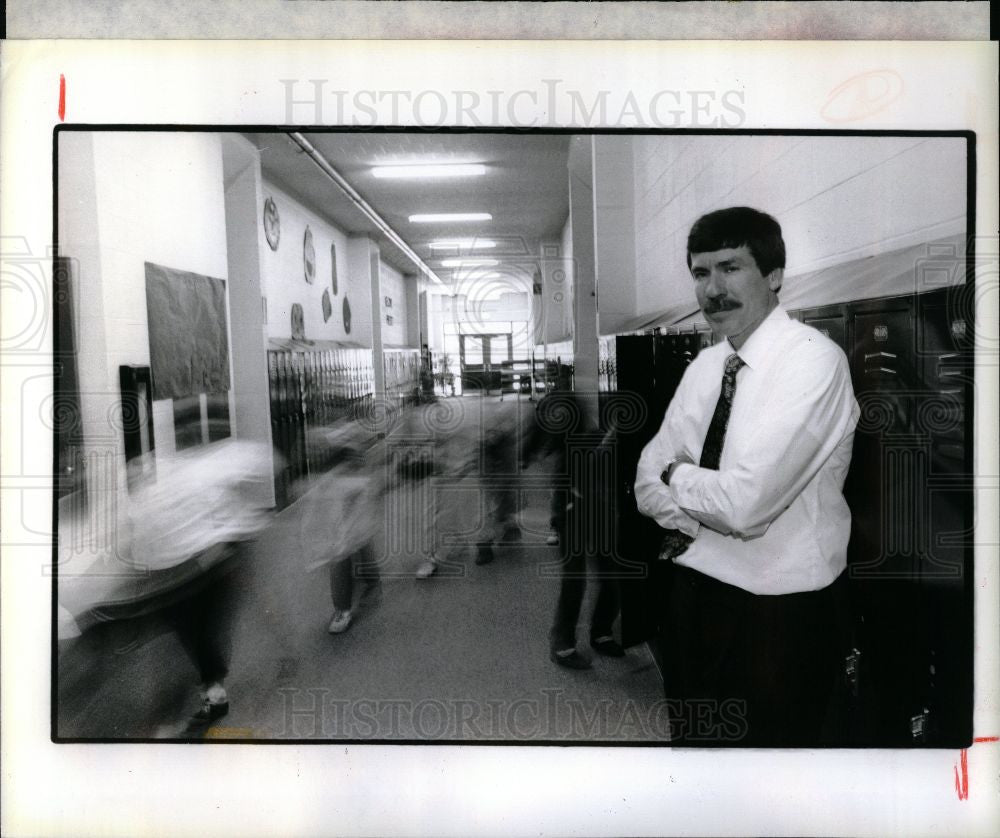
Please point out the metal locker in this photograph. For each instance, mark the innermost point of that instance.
(945, 342)
(636, 534)
(910, 497)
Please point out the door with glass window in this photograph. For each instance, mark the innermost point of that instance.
(481, 357)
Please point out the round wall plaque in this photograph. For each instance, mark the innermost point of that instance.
(309, 256)
(272, 224)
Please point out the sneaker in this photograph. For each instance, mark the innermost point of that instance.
(215, 693)
(552, 540)
(340, 622)
(484, 554)
(427, 569)
(214, 705)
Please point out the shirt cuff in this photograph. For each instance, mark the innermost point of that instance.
(678, 473)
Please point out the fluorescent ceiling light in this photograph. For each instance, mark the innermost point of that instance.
(434, 217)
(469, 263)
(463, 244)
(429, 170)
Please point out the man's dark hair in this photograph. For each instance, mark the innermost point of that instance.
(736, 227)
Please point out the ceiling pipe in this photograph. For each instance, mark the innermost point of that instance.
(361, 204)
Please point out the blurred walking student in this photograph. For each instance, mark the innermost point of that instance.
(412, 457)
(180, 566)
(582, 516)
(339, 519)
(356, 479)
(500, 443)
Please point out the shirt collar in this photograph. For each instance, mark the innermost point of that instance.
(762, 341)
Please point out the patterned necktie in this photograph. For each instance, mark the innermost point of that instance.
(676, 542)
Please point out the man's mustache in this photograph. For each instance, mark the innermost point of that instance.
(724, 304)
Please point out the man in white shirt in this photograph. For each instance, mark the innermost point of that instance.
(746, 473)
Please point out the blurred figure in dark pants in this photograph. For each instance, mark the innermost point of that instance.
(179, 567)
(351, 494)
(426, 374)
(583, 517)
(501, 467)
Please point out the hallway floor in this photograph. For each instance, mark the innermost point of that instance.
(461, 656)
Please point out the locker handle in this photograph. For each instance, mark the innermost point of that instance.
(945, 355)
(870, 355)
(950, 373)
(881, 369)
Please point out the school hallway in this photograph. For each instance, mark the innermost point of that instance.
(460, 656)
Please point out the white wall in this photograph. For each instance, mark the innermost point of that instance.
(837, 198)
(283, 272)
(79, 240)
(132, 198)
(159, 199)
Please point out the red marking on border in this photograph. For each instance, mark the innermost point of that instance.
(62, 97)
(987, 739)
(962, 782)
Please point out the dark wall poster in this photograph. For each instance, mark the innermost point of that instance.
(188, 340)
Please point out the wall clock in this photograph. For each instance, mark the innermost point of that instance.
(347, 316)
(309, 256)
(272, 223)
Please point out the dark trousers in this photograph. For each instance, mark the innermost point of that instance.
(360, 564)
(198, 604)
(747, 670)
(573, 584)
(204, 625)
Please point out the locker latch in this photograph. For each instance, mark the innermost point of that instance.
(920, 725)
(852, 670)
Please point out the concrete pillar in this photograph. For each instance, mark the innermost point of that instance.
(251, 419)
(364, 264)
(614, 223)
(581, 202)
(414, 332)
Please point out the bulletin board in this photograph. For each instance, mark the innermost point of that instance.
(188, 338)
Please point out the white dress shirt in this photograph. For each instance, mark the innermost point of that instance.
(772, 519)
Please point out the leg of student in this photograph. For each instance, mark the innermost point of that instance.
(572, 584)
(605, 612)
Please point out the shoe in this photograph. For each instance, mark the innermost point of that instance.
(484, 554)
(512, 534)
(552, 540)
(427, 569)
(202, 720)
(607, 645)
(340, 622)
(571, 659)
